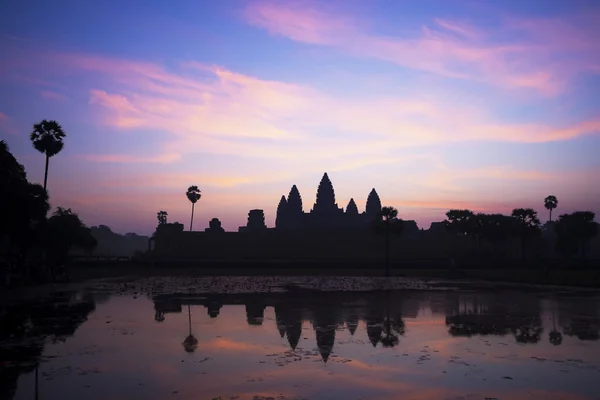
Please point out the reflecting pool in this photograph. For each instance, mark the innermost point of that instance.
(236, 338)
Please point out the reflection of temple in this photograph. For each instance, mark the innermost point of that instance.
(326, 312)
(380, 316)
(325, 211)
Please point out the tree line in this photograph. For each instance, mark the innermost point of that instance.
(573, 231)
(33, 244)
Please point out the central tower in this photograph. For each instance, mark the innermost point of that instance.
(325, 203)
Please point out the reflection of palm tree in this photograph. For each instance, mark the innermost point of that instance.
(391, 327)
(36, 381)
(555, 337)
(190, 343)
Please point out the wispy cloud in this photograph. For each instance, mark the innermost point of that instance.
(211, 109)
(130, 159)
(450, 48)
(6, 125)
(53, 96)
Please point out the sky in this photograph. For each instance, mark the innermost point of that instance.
(486, 105)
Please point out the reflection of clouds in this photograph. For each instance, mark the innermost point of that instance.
(223, 344)
(136, 355)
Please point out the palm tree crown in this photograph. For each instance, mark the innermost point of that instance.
(389, 213)
(47, 138)
(193, 194)
(550, 202)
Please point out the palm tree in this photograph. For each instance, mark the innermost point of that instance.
(550, 202)
(193, 194)
(162, 217)
(47, 138)
(388, 214)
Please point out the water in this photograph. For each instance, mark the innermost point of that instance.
(260, 338)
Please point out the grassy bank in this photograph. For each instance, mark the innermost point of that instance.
(563, 277)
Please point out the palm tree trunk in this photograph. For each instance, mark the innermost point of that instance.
(190, 318)
(46, 172)
(192, 220)
(550, 215)
(387, 249)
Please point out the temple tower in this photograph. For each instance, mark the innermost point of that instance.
(280, 219)
(351, 208)
(294, 208)
(325, 203)
(373, 207)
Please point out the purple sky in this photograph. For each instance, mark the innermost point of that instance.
(437, 104)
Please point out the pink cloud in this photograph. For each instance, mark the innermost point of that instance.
(129, 159)
(210, 108)
(448, 48)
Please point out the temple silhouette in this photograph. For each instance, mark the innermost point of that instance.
(325, 213)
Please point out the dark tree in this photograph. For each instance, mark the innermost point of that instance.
(495, 228)
(193, 194)
(387, 224)
(573, 231)
(162, 217)
(66, 231)
(527, 226)
(47, 138)
(550, 202)
(25, 206)
(460, 221)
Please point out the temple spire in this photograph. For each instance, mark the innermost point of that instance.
(373, 207)
(325, 196)
(351, 208)
(281, 213)
(294, 201)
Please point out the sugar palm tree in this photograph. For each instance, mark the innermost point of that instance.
(47, 138)
(550, 202)
(387, 217)
(193, 194)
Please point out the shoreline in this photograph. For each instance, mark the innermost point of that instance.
(581, 277)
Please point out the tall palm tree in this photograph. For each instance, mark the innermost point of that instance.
(47, 138)
(550, 202)
(193, 194)
(388, 214)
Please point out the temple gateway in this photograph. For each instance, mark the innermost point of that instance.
(325, 212)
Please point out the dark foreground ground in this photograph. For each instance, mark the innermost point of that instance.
(562, 277)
